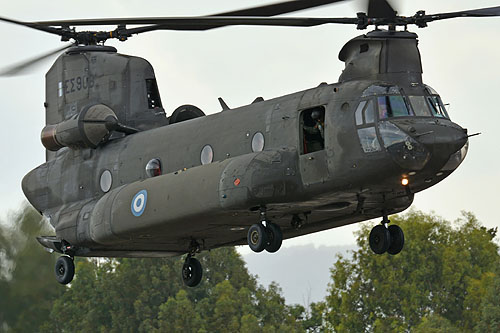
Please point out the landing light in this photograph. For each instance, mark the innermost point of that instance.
(405, 181)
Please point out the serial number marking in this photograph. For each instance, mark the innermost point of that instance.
(76, 84)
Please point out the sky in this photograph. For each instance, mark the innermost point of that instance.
(461, 60)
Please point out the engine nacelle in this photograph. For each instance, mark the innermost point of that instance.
(84, 130)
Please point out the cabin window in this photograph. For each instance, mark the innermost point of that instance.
(153, 94)
(153, 168)
(207, 155)
(106, 181)
(258, 142)
(313, 129)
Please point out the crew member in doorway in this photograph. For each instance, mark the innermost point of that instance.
(314, 130)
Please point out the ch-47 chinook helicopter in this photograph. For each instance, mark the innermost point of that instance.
(113, 184)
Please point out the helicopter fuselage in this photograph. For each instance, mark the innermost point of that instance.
(346, 180)
(124, 180)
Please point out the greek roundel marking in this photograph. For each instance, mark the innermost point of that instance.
(139, 203)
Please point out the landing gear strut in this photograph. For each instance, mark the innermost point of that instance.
(268, 237)
(386, 239)
(65, 269)
(192, 271)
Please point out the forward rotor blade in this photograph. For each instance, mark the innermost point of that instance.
(25, 65)
(483, 12)
(262, 11)
(380, 9)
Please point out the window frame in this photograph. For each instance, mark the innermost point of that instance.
(368, 100)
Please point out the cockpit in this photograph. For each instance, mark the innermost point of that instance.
(392, 102)
(387, 119)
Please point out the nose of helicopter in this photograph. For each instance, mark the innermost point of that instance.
(428, 145)
(442, 139)
(445, 138)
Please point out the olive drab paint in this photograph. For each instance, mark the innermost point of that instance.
(353, 174)
(88, 75)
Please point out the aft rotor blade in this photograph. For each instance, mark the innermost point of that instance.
(380, 9)
(52, 30)
(261, 11)
(25, 65)
(188, 23)
(279, 8)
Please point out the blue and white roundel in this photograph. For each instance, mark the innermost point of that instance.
(139, 203)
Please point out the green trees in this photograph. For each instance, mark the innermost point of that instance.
(27, 286)
(439, 282)
(489, 311)
(147, 295)
(447, 279)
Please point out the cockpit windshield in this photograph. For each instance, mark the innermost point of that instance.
(393, 106)
(392, 102)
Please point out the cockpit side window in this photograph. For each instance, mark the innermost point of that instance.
(359, 113)
(435, 103)
(365, 113)
(365, 122)
(368, 139)
(437, 106)
(369, 113)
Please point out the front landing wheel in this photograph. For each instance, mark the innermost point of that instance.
(397, 239)
(380, 239)
(65, 270)
(257, 237)
(275, 237)
(191, 272)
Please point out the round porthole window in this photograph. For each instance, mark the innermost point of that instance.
(207, 154)
(153, 168)
(258, 142)
(106, 181)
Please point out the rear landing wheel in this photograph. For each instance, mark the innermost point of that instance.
(191, 272)
(65, 270)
